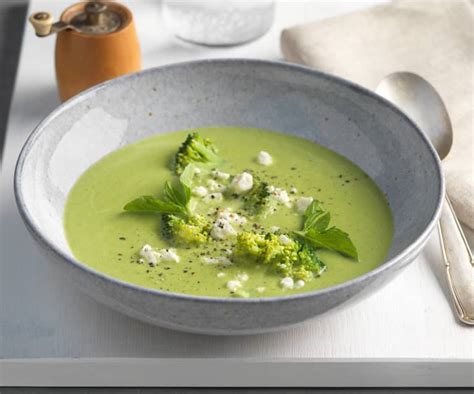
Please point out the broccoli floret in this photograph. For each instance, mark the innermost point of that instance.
(197, 150)
(259, 201)
(281, 253)
(309, 264)
(192, 230)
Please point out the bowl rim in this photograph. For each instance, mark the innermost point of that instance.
(397, 259)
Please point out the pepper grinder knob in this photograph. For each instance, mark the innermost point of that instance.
(42, 23)
(95, 13)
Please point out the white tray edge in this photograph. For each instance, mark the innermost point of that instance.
(140, 372)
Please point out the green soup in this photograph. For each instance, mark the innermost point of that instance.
(107, 239)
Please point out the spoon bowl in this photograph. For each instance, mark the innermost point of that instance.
(422, 103)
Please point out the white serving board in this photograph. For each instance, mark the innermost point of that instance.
(53, 335)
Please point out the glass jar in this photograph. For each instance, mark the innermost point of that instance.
(213, 22)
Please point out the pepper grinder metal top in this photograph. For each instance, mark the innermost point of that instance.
(96, 18)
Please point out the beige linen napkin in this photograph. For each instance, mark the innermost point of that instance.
(432, 38)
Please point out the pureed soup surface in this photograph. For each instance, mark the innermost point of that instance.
(105, 237)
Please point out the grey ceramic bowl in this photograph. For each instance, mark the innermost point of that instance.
(295, 100)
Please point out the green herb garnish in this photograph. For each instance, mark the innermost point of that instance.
(316, 232)
(176, 199)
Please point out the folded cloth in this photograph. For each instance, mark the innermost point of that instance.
(434, 39)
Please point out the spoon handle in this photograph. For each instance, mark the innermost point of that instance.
(458, 261)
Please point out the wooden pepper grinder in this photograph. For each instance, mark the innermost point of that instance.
(96, 42)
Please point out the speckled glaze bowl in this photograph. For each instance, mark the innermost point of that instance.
(293, 99)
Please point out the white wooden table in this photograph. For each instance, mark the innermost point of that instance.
(51, 334)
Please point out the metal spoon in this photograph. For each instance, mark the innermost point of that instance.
(422, 103)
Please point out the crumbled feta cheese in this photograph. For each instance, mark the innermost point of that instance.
(168, 255)
(299, 284)
(222, 229)
(200, 191)
(216, 260)
(141, 261)
(242, 293)
(197, 170)
(220, 274)
(260, 289)
(243, 277)
(214, 197)
(215, 186)
(153, 257)
(264, 158)
(293, 190)
(231, 217)
(220, 175)
(302, 203)
(274, 229)
(281, 195)
(287, 283)
(233, 285)
(149, 254)
(242, 183)
(284, 239)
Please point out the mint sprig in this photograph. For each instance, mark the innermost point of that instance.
(316, 232)
(176, 199)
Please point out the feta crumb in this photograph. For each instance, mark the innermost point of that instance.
(214, 197)
(215, 186)
(220, 274)
(141, 261)
(287, 283)
(222, 229)
(260, 289)
(149, 254)
(168, 255)
(216, 260)
(264, 158)
(281, 195)
(274, 229)
(243, 277)
(231, 217)
(220, 175)
(233, 285)
(299, 284)
(302, 203)
(242, 183)
(197, 170)
(242, 293)
(293, 190)
(284, 239)
(153, 257)
(200, 191)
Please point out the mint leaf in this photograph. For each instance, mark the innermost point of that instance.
(316, 217)
(316, 232)
(186, 177)
(152, 204)
(313, 209)
(177, 193)
(332, 239)
(317, 222)
(176, 197)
